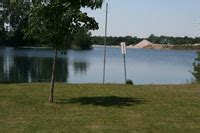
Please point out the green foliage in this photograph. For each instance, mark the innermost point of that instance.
(53, 23)
(115, 40)
(57, 21)
(82, 40)
(154, 39)
(15, 14)
(129, 82)
(2, 35)
(173, 40)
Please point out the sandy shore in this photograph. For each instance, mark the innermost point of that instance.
(143, 44)
(101, 46)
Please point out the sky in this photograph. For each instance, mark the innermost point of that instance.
(144, 17)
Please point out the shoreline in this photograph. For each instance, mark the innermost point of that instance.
(163, 48)
(130, 47)
(109, 46)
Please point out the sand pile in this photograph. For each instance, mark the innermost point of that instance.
(143, 44)
(148, 45)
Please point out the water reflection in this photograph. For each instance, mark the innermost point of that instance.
(196, 65)
(30, 69)
(80, 68)
(143, 66)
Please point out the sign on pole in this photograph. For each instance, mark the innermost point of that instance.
(123, 47)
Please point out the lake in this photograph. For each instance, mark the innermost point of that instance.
(144, 66)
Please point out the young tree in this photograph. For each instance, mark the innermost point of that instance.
(56, 21)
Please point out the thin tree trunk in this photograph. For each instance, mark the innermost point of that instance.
(53, 78)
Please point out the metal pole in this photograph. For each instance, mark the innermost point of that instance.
(125, 67)
(105, 41)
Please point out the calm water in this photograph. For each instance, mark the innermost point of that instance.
(143, 66)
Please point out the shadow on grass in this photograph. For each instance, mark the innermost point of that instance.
(103, 101)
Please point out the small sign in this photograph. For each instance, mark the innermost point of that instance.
(123, 47)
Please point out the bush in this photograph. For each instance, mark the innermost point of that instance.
(129, 82)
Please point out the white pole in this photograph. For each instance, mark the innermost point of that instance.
(105, 41)
(123, 49)
(125, 67)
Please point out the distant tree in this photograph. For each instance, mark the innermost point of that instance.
(129, 40)
(197, 40)
(55, 23)
(82, 39)
(2, 20)
(2, 35)
(154, 39)
(2, 31)
(16, 16)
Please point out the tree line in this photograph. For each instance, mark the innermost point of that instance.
(99, 40)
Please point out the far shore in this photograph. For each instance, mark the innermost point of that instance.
(101, 46)
(184, 47)
(109, 46)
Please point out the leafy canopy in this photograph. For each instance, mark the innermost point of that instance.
(56, 21)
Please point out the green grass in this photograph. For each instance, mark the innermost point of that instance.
(100, 108)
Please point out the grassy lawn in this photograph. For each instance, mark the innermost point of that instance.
(99, 108)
